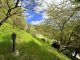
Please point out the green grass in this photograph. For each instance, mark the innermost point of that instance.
(29, 47)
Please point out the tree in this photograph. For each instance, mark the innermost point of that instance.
(17, 21)
(61, 15)
(75, 1)
(46, 30)
(9, 8)
(65, 18)
(75, 41)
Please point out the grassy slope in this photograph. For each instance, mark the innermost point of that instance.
(29, 47)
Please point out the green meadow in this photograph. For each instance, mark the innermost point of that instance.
(28, 47)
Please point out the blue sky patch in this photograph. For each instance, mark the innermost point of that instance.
(32, 14)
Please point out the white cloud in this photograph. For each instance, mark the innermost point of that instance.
(45, 3)
(42, 6)
(36, 22)
(27, 14)
(30, 16)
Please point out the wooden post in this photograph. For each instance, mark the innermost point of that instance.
(13, 37)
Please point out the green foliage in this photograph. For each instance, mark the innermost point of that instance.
(75, 42)
(62, 21)
(17, 21)
(9, 11)
(28, 47)
(75, 1)
(46, 30)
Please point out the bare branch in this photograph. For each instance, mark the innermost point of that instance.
(8, 4)
(9, 14)
(17, 2)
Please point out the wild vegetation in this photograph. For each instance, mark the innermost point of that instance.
(57, 38)
(63, 25)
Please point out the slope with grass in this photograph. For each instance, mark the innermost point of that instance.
(29, 48)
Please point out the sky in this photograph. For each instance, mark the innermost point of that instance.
(36, 14)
